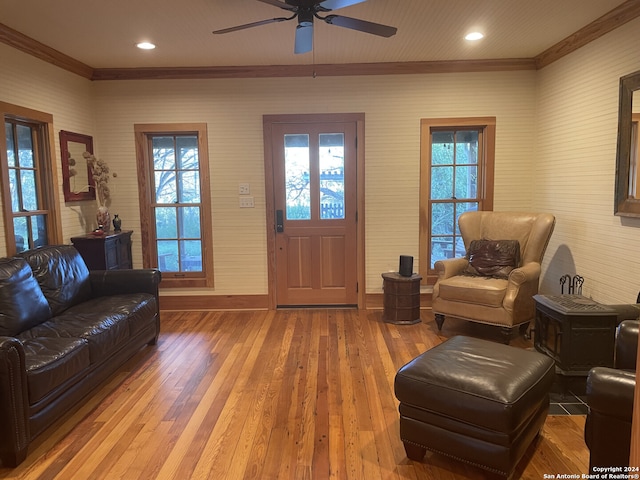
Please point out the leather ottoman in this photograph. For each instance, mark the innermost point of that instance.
(474, 400)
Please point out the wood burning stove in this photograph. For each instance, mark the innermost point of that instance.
(575, 331)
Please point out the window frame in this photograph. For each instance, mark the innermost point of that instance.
(143, 135)
(46, 173)
(486, 162)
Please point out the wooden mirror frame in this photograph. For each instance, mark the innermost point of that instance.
(625, 205)
(87, 142)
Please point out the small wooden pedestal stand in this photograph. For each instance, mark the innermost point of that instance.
(401, 298)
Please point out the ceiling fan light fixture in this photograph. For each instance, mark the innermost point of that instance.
(474, 36)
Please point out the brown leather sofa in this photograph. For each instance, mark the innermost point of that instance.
(63, 330)
(607, 430)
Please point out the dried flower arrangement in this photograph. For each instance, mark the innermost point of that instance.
(100, 173)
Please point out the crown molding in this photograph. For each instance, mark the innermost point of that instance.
(617, 17)
(21, 42)
(332, 70)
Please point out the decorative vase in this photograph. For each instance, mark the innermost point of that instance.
(117, 223)
(103, 218)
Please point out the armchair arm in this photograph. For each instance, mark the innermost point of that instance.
(521, 287)
(450, 267)
(610, 392)
(607, 429)
(524, 274)
(14, 422)
(113, 282)
(627, 345)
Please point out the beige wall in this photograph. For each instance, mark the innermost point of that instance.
(393, 107)
(555, 151)
(574, 168)
(31, 83)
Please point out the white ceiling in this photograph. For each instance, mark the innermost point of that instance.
(103, 34)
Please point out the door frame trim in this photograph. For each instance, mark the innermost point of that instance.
(268, 121)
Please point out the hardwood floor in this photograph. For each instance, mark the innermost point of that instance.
(296, 394)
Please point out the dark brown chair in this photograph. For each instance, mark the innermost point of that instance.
(607, 431)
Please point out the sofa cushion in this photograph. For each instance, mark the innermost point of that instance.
(52, 361)
(22, 304)
(493, 258)
(62, 274)
(98, 321)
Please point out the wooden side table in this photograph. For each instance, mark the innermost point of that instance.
(105, 252)
(401, 298)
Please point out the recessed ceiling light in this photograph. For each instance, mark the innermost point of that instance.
(146, 45)
(473, 36)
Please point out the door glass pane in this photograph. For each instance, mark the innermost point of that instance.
(297, 186)
(25, 146)
(21, 233)
(331, 176)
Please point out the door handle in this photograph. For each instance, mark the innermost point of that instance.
(279, 221)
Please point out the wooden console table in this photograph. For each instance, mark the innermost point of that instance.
(111, 251)
(401, 298)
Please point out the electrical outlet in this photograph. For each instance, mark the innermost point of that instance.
(246, 202)
(244, 189)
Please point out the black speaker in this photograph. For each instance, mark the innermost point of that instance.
(406, 265)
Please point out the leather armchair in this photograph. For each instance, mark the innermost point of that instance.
(607, 430)
(505, 302)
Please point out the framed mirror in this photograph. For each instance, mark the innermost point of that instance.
(77, 180)
(627, 191)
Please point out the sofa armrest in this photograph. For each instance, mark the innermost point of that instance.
(627, 344)
(14, 403)
(114, 282)
(610, 392)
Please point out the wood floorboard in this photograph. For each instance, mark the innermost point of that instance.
(292, 394)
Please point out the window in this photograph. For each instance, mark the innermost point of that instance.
(456, 175)
(175, 203)
(28, 181)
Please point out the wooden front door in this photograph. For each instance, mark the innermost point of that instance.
(314, 189)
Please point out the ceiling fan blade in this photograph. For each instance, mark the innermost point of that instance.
(253, 24)
(361, 25)
(336, 4)
(283, 5)
(304, 39)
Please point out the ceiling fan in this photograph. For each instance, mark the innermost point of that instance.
(306, 11)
